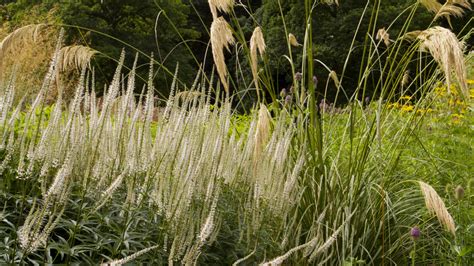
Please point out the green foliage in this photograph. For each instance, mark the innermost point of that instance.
(98, 181)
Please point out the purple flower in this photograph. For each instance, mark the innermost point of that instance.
(315, 81)
(288, 100)
(283, 93)
(415, 233)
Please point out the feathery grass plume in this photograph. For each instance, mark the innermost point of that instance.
(75, 57)
(406, 79)
(447, 51)
(382, 34)
(335, 79)
(28, 33)
(257, 44)
(435, 205)
(262, 132)
(221, 37)
(131, 257)
(221, 5)
(432, 5)
(293, 41)
(454, 8)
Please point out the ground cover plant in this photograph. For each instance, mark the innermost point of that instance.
(120, 177)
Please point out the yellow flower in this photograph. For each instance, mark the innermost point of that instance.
(407, 108)
(440, 91)
(424, 111)
(457, 118)
(470, 81)
(394, 106)
(406, 97)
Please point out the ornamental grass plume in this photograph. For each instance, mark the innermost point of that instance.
(257, 45)
(382, 35)
(27, 33)
(447, 51)
(221, 5)
(293, 41)
(454, 8)
(435, 205)
(335, 79)
(75, 57)
(262, 133)
(221, 37)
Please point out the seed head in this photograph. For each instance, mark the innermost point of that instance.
(447, 51)
(293, 41)
(459, 192)
(298, 76)
(221, 5)
(382, 35)
(257, 45)
(221, 37)
(435, 205)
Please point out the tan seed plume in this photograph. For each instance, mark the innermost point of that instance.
(221, 37)
(221, 5)
(293, 41)
(435, 205)
(454, 8)
(447, 51)
(406, 79)
(75, 57)
(262, 134)
(382, 34)
(333, 76)
(257, 45)
(28, 33)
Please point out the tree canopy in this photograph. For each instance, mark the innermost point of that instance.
(178, 31)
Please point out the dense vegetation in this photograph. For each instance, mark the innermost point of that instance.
(328, 132)
(178, 31)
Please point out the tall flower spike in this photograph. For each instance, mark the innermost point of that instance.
(221, 5)
(221, 37)
(257, 45)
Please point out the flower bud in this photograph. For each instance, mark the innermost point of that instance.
(415, 233)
